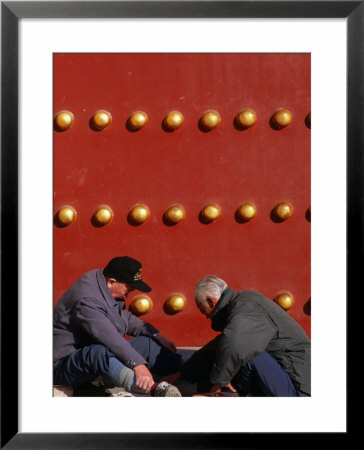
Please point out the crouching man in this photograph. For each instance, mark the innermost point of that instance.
(90, 322)
(261, 350)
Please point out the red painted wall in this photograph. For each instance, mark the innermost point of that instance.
(228, 166)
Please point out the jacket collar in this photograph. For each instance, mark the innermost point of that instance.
(104, 289)
(219, 319)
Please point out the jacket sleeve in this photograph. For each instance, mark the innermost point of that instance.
(137, 327)
(247, 333)
(92, 318)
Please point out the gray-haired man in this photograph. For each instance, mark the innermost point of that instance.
(261, 350)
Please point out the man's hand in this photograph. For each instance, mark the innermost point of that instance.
(166, 343)
(143, 379)
(217, 388)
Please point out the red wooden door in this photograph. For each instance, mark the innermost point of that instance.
(190, 166)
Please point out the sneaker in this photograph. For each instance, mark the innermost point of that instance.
(165, 389)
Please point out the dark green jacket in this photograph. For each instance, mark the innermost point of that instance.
(251, 323)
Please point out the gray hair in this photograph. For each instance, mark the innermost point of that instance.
(210, 286)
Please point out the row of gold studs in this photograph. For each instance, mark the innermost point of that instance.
(174, 119)
(140, 213)
(176, 302)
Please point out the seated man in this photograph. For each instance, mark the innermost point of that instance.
(90, 322)
(261, 350)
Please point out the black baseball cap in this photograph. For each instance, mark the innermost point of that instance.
(126, 270)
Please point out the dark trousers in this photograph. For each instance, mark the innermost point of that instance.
(262, 376)
(92, 362)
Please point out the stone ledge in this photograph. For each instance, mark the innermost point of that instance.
(62, 391)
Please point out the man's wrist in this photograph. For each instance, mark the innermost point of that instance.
(131, 364)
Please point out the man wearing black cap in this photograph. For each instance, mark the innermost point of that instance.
(90, 322)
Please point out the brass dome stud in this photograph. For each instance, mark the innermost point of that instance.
(284, 299)
(139, 214)
(246, 211)
(283, 211)
(281, 118)
(174, 214)
(308, 120)
(63, 120)
(138, 120)
(210, 120)
(246, 118)
(308, 214)
(210, 212)
(175, 303)
(66, 215)
(103, 215)
(173, 120)
(141, 304)
(101, 119)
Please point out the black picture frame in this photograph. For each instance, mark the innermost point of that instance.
(11, 12)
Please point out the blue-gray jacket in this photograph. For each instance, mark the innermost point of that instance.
(88, 314)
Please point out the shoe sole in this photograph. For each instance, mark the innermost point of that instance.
(169, 391)
(172, 391)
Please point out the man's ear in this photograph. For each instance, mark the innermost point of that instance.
(110, 281)
(211, 301)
